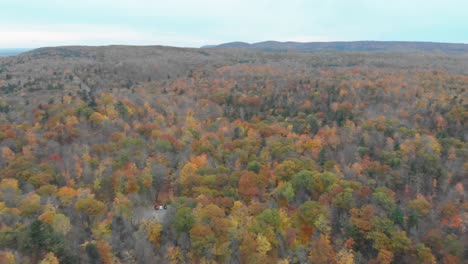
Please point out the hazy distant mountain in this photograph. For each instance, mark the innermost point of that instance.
(11, 52)
(237, 45)
(383, 46)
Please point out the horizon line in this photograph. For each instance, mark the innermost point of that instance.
(250, 43)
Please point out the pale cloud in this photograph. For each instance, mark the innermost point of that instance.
(193, 23)
(61, 35)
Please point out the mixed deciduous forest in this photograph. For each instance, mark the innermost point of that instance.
(264, 157)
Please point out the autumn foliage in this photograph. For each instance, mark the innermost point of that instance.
(280, 158)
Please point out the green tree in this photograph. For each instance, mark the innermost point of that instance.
(310, 211)
(254, 166)
(397, 216)
(322, 157)
(384, 197)
(184, 219)
(286, 191)
(41, 237)
(413, 219)
(92, 252)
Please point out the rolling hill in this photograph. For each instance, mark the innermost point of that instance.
(380, 46)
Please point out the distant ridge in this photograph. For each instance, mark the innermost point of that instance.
(237, 45)
(11, 52)
(378, 46)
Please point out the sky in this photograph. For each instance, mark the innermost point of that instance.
(194, 23)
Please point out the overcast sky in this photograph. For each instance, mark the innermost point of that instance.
(193, 23)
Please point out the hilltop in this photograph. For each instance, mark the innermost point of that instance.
(85, 68)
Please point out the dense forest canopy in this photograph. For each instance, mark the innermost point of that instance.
(273, 157)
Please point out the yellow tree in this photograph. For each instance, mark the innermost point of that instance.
(8, 155)
(385, 256)
(97, 118)
(61, 224)
(174, 255)
(30, 204)
(345, 256)
(152, 230)
(263, 245)
(188, 176)
(66, 195)
(49, 258)
(363, 218)
(7, 257)
(91, 206)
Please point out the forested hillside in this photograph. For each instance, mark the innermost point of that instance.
(383, 46)
(270, 157)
